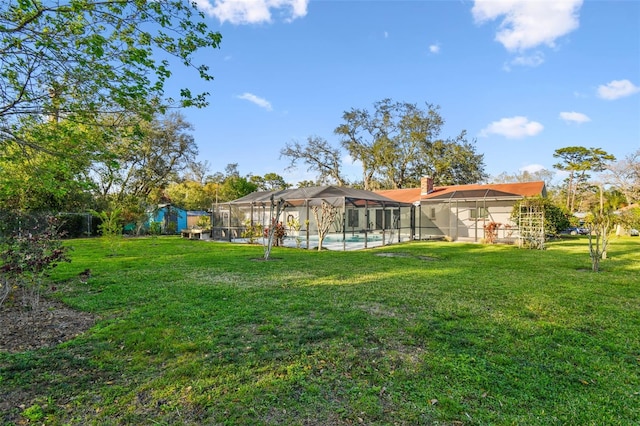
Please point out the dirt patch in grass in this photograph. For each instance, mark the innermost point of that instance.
(398, 254)
(51, 323)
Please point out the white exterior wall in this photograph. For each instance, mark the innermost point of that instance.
(465, 220)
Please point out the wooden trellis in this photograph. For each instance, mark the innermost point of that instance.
(531, 224)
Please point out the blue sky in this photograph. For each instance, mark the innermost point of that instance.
(523, 78)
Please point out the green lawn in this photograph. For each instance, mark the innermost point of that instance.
(194, 332)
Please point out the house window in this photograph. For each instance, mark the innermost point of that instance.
(383, 219)
(478, 213)
(353, 218)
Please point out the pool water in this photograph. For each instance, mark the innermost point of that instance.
(350, 238)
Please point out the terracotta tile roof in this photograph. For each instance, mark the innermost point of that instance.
(408, 195)
(524, 189)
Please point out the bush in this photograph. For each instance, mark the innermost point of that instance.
(29, 253)
(279, 232)
(555, 218)
(110, 227)
(252, 232)
(491, 232)
(155, 228)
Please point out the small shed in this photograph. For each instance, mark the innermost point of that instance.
(172, 218)
(195, 219)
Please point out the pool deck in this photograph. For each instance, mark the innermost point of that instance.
(328, 243)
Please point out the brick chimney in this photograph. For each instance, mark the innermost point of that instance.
(426, 185)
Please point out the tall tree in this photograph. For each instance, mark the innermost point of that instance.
(625, 176)
(578, 161)
(192, 195)
(319, 156)
(270, 182)
(198, 171)
(360, 139)
(230, 185)
(235, 187)
(33, 179)
(453, 162)
(147, 161)
(525, 176)
(306, 184)
(398, 143)
(324, 214)
(79, 59)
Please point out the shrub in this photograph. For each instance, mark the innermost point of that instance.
(29, 253)
(555, 218)
(110, 228)
(155, 228)
(279, 232)
(251, 232)
(295, 226)
(491, 232)
(204, 222)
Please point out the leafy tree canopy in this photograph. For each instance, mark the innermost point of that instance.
(555, 219)
(525, 176)
(398, 143)
(33, 179)
(148, 160)
(625, 176)
(82, 59)
(578, 161)
(319, 156)
(270, 182)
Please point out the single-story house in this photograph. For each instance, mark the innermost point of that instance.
(460, 212)
(369, 219)
(364, 219)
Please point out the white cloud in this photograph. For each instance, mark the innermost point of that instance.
(513, 128)
(574, 117)
(529, 23)
(252, 11)
(532, 168)
(205, 6)
(532, 60)
(617, 89)
(261, 102)
(434, 48)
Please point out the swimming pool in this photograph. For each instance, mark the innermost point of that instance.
(335, 241)
(337, 238)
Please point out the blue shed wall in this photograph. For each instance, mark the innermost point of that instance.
(180, 213)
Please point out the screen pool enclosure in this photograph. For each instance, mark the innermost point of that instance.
(360, 219)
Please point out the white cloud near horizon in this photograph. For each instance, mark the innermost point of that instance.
(617, 89)
(434, 48)
(261, 102)
(513, 128)
(527, 24)
(240, 12)
(574, 117)
(532, 168)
